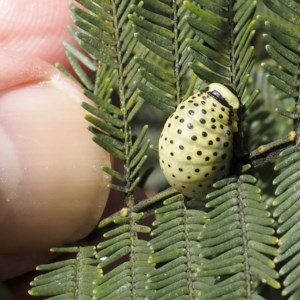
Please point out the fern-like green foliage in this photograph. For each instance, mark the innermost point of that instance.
(287, 204)
(283, 44)
(159, 51)
(176, 252)
(262, 124)
(68, 279)
(237, 239)
(127, 279)
(162, 28)
(282, 39)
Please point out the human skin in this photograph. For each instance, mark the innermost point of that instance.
(52, 189)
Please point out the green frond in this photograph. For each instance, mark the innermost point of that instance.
(161, 27)
(287, 212)
(68, 279)
(104, 31)
(237, 239)
(262, 124)
(222, 51)
(176, 252)
(282, 43)
(122, 249)
(117, 266)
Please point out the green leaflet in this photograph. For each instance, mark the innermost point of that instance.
(287, 211)
(176, 252)
(104, 31)
(128, 275)
(282, 45)
(160, 26)
(237, 240)
(68, 278)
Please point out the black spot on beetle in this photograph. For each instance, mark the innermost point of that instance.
(190, 126)
(194, 138)
(224, 156)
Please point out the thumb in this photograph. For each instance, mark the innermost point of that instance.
(52, 189)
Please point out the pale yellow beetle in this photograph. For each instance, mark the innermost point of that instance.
(195, 146)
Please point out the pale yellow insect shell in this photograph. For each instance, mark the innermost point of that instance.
(231, 99)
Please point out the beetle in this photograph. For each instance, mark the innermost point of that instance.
(196, 143)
